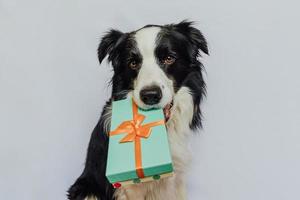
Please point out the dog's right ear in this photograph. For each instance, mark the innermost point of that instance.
(108, 42)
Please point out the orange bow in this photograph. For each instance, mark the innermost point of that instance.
(135, 131)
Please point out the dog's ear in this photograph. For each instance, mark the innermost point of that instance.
(193, 35)
(108, 43)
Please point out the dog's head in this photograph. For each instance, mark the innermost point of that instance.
(154, 62)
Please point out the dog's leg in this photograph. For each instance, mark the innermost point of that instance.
(92, 184)
(181, 189)
(164, 189)
(136, 192)
(91, 198)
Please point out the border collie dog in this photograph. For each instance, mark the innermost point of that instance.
(158, 67)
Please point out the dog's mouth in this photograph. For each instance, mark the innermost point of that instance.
(167, 111)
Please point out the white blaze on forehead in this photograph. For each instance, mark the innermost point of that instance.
(146, 41)
(150, 72)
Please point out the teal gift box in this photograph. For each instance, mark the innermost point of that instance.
(138, 144)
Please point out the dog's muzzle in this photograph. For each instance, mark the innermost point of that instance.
(152, 95)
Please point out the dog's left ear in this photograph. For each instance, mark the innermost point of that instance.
(194, 35)
(108, 42)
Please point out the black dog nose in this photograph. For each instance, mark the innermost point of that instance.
(151, 95)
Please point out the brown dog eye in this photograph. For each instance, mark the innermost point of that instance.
(133, 64)
(169, 60)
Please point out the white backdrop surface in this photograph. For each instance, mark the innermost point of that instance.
(52, 90)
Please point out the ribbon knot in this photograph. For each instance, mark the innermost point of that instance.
(134, 127)
(135, 131)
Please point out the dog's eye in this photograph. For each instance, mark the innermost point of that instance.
(169, 60)
(133, 64)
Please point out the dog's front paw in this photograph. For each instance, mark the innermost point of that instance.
(83, 189)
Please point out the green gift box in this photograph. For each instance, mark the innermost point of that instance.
(138, 144)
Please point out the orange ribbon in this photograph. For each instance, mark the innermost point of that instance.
(135, 131)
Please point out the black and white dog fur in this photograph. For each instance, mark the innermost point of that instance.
(158, 66)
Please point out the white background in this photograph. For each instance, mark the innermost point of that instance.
(52, 90)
